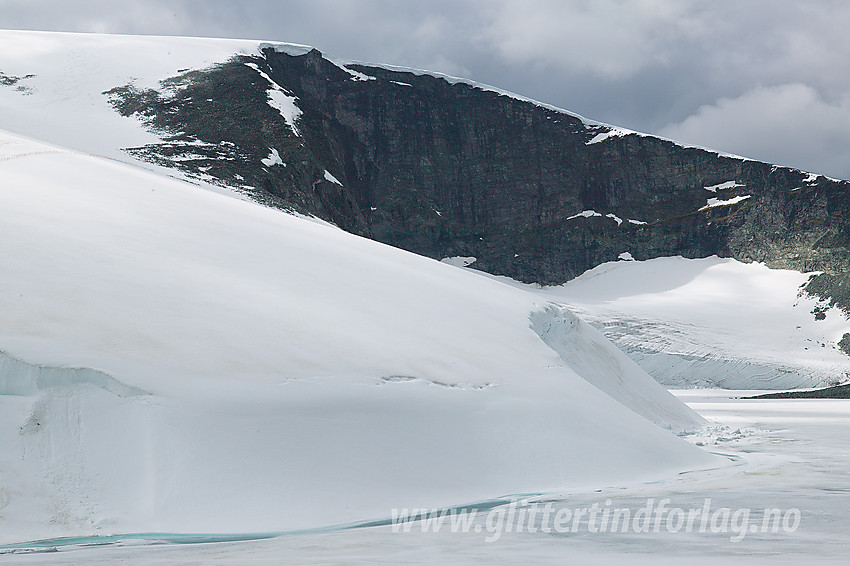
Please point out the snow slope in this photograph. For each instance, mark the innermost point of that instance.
(712, 322)
(178, 360)
(59, 97)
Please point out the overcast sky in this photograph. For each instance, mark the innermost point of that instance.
(768, 79)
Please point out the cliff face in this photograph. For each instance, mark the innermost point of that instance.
(445, 168)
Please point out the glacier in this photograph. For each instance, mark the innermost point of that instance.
(218, 366)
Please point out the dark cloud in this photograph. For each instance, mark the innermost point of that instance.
(714, 73)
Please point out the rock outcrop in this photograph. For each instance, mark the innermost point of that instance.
(443, 167)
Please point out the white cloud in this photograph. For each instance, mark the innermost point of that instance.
(610, 38)
(790, 124)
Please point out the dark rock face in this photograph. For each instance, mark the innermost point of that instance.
(833, 289)
(13, 81)
(446, 169)
(837, 392)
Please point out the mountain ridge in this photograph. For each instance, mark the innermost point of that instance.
(438, 165)
(447, 168)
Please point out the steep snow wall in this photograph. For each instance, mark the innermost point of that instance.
(609, 370)
(20, 378)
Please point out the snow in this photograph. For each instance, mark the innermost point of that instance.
(723, 186)
(615, 218)
(181, 361)
(272, 159)
(331, 178)
(715, 202)
(66, 106)
(612, 133)
(592, 213)
(20, 378)
(626, 256)
(358, 76)
(584, 214)
(71, 71)
(712, 322)
(293, 49)
(615, 374)
(460, 261)
(636, 222)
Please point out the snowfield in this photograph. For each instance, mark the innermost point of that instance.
(711, 322)
(59, 98)
(178, 360)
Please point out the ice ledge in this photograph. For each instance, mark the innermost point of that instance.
(18, 377)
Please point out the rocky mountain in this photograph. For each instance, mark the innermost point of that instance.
(445, 167)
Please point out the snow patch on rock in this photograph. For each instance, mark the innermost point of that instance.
(272, 159)
(331, 178)
(460, 261)
(584, 214)
(723, 186)
(715, 202)
(280, 100)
